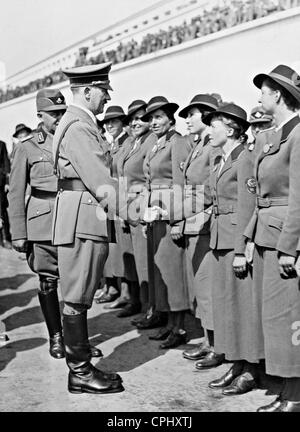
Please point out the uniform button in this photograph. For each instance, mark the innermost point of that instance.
(37, 212)
(41, 158)
(90, 201)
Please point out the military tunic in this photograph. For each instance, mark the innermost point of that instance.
(33, 165)
(163, 170)
(275, 227)
(81, 227)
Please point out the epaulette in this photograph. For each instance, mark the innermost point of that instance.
(29, 137)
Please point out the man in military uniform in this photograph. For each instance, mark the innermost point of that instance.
(81, 229)
(259, 121)
(31, 225)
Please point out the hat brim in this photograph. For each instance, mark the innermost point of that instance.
(22, 129)
(261, 120)
(121, 117)
(170, 106)
(207, 119)
(128, 116)
(260, 78)
(206, 106)
(55, 108)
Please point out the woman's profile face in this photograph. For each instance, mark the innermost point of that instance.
(218, 133)
(194, 121)
(268, 99)
(159, 122)
(114, 127)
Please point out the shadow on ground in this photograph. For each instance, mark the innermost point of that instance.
(9, 351)
(14, 282)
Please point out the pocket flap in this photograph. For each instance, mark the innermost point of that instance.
(275, 222)
(38, 209)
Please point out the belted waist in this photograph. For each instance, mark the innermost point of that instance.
(219, 210)
(269, 202)
(71, 185)
(42, 194)
(160, 186)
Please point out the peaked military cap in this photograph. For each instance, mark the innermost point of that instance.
(258, 115)
(134, 107)
(50, 100)
(159, 102)
(232, 111)
(93, 75)
(201, 101)
(113, 112)
(21, 127)
(287, 77)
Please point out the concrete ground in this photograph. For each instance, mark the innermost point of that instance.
(155, 380)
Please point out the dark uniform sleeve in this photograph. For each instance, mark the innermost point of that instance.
(289, 236)
(17, 191)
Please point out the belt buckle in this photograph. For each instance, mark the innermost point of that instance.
(215, 209)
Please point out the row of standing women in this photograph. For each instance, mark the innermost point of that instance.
(226, 246)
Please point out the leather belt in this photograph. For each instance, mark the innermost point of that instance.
(219, 210)
(160, 186)
(71, 185)
(42, 194)
(270, 202)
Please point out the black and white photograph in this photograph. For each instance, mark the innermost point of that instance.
(149, 209)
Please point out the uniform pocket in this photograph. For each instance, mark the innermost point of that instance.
(275, 223)
(38, 209)
(41, 167)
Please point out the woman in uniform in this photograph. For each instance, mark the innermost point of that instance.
(163, 171)
(130, 171)
(231, 296)
(196, 232)
(275, 230)
(120, 263)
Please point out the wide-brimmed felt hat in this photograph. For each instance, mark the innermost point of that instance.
(159, 102)
(134, 107)
(201, 101)
(114, 112)
(93, 75)
(20, 127)
(50, 100)
(258, 115)
(287, 77)
(232, 111)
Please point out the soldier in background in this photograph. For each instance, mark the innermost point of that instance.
(21, 133)
(31, 224)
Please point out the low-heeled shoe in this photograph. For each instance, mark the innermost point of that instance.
(173, 340)
(107, 298)
(240, 385)
(272, 407)
(224, 381)
(196, 353)
(129, 310)
(210, 360)
(162, 334)
(95, 352)
(156, 320)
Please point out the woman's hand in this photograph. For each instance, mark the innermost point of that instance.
(287, 266)
(240, 266)
(176, 233)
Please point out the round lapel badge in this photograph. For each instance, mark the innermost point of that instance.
(266, 148)
(251, 185)
(154, 148)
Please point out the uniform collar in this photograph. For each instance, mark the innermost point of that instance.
(93, 117)
(286, 121)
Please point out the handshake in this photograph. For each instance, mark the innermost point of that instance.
(154, 213)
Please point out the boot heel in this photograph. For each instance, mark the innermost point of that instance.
(75, 390)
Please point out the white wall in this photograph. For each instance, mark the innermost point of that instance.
(225, 63)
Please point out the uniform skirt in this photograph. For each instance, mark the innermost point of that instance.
(234, 326)
(197, 261)
(139, 244)
(167, 287)
(121, 255)
(280, 315)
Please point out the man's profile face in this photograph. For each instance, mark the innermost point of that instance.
(98, 98)
(50, 119)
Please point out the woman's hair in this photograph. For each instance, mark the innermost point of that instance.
(291, 102)
(238, 129)
(170, 115)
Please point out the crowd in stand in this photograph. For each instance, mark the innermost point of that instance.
(225, 15)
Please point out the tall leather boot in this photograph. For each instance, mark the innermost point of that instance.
(50, 307)
(83, 376)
